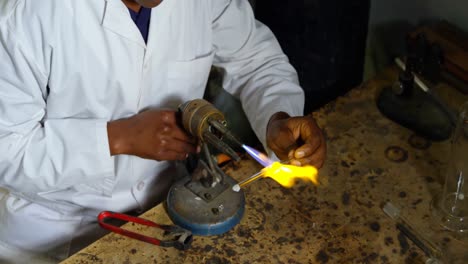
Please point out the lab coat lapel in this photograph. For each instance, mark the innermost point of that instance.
(159, 27)
(117, 19)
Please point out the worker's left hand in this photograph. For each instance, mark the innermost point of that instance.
(297, 139)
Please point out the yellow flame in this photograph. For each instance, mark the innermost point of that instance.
(286, 175)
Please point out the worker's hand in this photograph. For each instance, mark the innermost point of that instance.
(297, 139)
(152, 134)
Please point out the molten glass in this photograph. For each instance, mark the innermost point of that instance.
(286, 175)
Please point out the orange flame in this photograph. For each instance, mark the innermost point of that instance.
(286, 175)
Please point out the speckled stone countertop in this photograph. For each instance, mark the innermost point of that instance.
(370, 161)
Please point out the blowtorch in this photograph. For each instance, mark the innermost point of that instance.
(204, 201)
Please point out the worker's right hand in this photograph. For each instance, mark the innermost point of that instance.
(152, 134)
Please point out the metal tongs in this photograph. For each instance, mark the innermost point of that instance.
(179, 238)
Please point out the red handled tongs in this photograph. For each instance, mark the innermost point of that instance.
(178, 237)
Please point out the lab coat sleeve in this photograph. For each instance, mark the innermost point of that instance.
(256, 69)
(38, 154)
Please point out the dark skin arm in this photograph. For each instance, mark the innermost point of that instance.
(156, 134)
(152, 134)
(297, 139)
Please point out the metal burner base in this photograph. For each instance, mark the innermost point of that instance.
(205, 210)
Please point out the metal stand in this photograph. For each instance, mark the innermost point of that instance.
(204, 201)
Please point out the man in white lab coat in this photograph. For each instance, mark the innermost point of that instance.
(88, 106)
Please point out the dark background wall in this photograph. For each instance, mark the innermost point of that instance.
(336, 44)
(325, 41)
(414, 11)
(389, 21)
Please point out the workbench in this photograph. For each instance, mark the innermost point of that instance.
(370, 160)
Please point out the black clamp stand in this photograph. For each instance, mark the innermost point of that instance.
(413, 108)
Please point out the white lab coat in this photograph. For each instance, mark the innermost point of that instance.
(70, 66)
